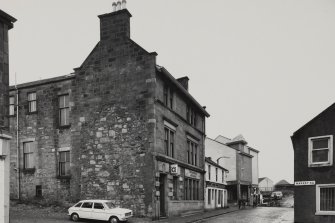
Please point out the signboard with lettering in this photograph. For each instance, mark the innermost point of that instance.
(174, 169)
(304, 183)
(192, 174)
(163, 167)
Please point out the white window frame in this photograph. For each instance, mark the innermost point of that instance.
(318, 211)
(330, 153)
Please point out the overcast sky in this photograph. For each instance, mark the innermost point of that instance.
(263, 68)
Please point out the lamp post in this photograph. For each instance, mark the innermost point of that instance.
(217, 160)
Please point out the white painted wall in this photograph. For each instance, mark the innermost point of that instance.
(4, 178)
(215, 150)
(213, 174)
(255, 168)
(265, 185)
(214, 198)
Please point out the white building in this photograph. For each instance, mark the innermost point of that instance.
(240, 160)
(215, 189)
(265, 184)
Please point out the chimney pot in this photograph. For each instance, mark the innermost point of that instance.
(124, 3)
(114, 6)
(118, 6)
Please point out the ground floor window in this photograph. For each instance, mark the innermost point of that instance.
(209, 196)
(191, 189)
(64, 163)
(38, 191)
(325, 199)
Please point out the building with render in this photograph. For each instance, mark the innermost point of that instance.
(240, 160)
(215, 187)
(120, 127)
(314, 171)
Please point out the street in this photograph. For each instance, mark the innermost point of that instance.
(256, 215)
(20, 213)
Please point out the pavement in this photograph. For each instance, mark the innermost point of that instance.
(33, 214)
(190, 218)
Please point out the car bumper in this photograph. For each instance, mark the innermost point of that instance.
(125, 218)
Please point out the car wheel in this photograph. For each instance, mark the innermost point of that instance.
(113, 220)
(74, 217)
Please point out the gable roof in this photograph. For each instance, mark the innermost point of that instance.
(319, 115)
(210, 161)
(263, 178)
(282, 182)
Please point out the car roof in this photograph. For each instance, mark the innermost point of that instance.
(102, 201)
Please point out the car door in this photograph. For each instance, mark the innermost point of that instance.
(86, 210)
(99, 212)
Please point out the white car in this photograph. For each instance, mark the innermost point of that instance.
(103, 210)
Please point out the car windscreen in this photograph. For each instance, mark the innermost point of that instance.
(110, 205)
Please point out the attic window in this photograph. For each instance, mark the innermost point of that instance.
(320, 151)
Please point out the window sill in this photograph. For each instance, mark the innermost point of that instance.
(29, 171)
(64, 126)
(325, 213)
(319, 164)
(32, 113)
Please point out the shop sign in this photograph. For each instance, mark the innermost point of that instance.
(174, 169)
(192, 174)
(304, 183)
(163, 167)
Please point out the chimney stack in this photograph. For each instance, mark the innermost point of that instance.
(184, 82)
(124, 2)
(115, 26)
(118, 5)
(114, 6)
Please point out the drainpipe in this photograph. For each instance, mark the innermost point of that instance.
(18, 145)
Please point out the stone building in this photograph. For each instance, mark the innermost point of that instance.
(314, 171)
(6, 23)
(240, 160)
(120, 127)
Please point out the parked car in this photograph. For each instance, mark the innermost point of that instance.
(103, 210)
(277, 195)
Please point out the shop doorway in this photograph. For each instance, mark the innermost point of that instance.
(162, 194)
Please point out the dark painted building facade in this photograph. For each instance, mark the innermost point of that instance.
(120, 127)
(314, 171)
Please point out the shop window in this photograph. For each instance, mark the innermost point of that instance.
(191, 189)
(325, 199)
